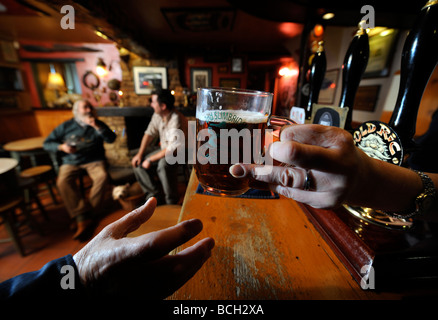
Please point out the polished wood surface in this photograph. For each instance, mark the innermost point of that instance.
(265, 249)
(25, 144)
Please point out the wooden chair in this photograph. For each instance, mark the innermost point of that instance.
(8, 213)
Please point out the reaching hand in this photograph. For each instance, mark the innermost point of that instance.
(141, 266)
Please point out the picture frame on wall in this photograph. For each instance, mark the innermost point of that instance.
(222, 68)
(382, 43)
(229, 83)
(328, 87)
(200, 78)
(149, 79)
(366, 98)
(236, 65)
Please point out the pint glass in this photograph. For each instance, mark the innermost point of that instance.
(231, 126)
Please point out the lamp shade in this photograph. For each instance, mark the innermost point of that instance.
(55, 81)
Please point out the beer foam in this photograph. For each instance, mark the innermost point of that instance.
(232, 116)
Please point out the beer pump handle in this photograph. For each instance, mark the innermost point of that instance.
(419, 58)
(355, 63)
(316, 77)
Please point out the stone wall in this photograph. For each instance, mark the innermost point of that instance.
(131, 60)
(117, 153)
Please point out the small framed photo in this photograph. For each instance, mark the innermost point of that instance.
(366, 98)
(383, 43)
(222, 68)
(236, 65)
(200, 78)
(328, 87)
(148, 79)
(229, 83)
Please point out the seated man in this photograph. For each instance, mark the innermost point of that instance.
(149, 158)
(80, 141)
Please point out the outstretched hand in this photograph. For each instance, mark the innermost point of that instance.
(141, 267)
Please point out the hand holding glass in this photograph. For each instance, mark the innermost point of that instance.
(231, 127)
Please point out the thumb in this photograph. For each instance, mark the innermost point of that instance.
(133, 220)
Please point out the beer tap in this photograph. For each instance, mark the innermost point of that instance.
(391, 142)
(355, 63)
(419, 58)
(316, 77)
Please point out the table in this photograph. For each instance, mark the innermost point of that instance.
(25, 147)
(7, 164)
(265, 249)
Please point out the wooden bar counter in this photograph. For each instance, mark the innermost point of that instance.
(265, 249)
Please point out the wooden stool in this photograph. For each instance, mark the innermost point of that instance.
(164, 216)
(7, 213)
(41, 174)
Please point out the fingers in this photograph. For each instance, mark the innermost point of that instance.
(313, 147)
(131, 221)
(159, 243)
(192, 258)
(172, 271)
(283, 176)
(313, 134)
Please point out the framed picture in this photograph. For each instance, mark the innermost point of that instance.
(366, 98)
(382, 46)
(148, 79)
(236, 65)
(229, 83)
(8, 52)
(200, 78)
(328, 87)
(222, 68)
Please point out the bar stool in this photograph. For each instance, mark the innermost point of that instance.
(12, 200)
(37, 175)
(12, 223)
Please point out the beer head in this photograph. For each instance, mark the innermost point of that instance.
(232, 116)
(226, 99)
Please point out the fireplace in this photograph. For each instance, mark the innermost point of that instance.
(129, 123)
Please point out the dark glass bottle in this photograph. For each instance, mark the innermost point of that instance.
(355, 63)
(419, 58)
(316, 76)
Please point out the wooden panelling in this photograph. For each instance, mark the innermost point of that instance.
(20, 125)
(48, 120)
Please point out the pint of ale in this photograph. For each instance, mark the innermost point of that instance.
(231, 126)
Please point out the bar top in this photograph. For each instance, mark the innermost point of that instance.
(265, 249)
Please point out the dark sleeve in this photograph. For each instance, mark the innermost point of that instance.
(54, 139)
(50, 282)
(105, 132)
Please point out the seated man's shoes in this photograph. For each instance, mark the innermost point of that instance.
(84, 230)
